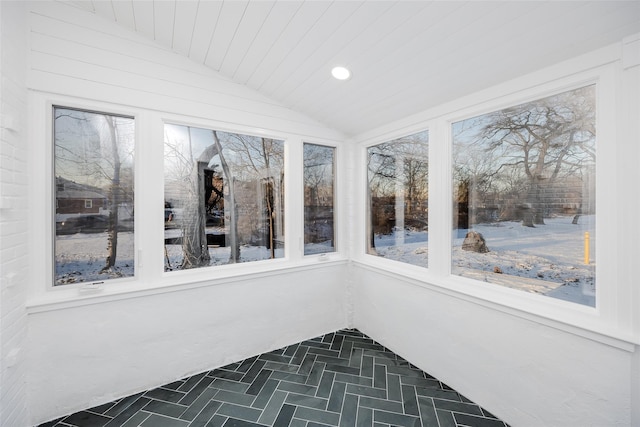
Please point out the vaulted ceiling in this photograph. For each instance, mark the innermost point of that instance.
(405, 56)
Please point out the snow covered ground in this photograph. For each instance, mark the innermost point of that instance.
(80, 257)
(220, 255)
(547, 259)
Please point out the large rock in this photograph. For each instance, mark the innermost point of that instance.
(474, 242)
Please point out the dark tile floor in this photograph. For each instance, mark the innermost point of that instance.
(338, 379)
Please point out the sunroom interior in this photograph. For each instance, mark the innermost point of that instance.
(438, 88)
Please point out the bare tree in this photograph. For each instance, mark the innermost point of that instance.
(318, 192)
(96, 149)
(414, 152)
(398, 184)
(114, 196)
(475, 175)
(209, 170)
(231, 201)
(188, 172)
(317, 161)
(260, 159)
(381, 170)
(539, 143)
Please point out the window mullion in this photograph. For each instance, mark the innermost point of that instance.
(294, 200)
(150, 199)
(440, 206)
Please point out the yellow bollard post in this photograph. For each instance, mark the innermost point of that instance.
(586, 247)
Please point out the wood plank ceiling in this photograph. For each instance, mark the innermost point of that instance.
(406, 56)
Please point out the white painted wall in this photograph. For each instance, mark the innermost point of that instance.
(14, 262)
(525, 372)
(630, 155)
(83, 356)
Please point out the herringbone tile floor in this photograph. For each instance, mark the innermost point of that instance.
(338, 379)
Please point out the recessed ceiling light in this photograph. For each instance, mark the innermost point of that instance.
(341, 73)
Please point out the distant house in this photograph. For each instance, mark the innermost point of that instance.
(74, 198)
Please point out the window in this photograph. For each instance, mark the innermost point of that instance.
(524, 196)
(224, 198)
(319, 233)
(93, 161)
(398, 190)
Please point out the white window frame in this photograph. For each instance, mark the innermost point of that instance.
(387, 139)
(610, 321)
(150, 277)
(42, 216)
(359, 242)
(601, 210)
(249, 132)
(336, 217)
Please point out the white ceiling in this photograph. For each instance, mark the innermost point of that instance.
(406, 56)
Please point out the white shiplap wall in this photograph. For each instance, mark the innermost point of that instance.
(14, 262)
(78, 54)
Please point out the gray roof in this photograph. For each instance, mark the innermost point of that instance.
(73, 190)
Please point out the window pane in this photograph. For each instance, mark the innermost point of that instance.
(94, 159)
(224, 198)
(318, 199)
(524, 196)
(398, 175)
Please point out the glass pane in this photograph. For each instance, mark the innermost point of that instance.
(398, 175)
(224, 198)
(524, 196)
(318, 199)
(93, 165)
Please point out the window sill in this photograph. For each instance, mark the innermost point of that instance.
(565, 316)
(59, 299)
